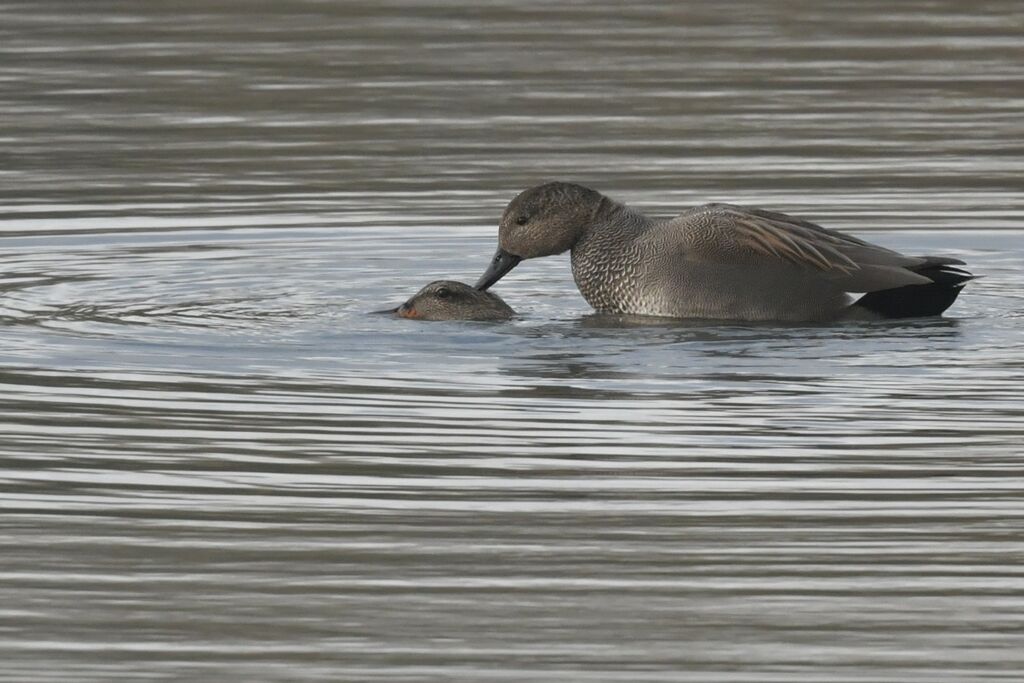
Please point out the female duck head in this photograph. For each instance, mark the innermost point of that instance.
(544, 220)
(450, 300)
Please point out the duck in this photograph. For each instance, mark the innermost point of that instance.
(717, 261)
(452, 300)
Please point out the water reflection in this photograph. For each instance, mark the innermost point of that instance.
(216, 465)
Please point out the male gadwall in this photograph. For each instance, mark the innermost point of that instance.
(717, 261)
(450, 300)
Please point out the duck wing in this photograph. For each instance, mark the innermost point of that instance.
(735, 234)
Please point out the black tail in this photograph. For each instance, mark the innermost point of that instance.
(913, 301)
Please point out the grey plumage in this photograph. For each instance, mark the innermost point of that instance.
(717, 261)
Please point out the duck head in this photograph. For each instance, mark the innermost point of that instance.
(544, 220)
(450, 300)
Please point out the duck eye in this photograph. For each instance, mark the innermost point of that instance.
(444, 293)
(522, 219)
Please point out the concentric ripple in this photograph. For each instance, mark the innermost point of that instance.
(215, 464)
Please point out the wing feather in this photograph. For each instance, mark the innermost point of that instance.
(729, 233)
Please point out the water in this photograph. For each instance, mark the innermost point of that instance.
(214, 465)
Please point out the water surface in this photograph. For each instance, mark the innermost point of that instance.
(215, 465)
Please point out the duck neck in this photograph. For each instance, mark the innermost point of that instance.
(606, 259)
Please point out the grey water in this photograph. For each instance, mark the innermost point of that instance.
(215, 465)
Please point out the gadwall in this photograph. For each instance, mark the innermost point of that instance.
(717, 261)
(450, 300)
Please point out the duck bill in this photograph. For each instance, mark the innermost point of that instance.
(500, 264)
(386, 310)
(407, 311)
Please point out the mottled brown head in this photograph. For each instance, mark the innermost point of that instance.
(450, 300)
(544, 220)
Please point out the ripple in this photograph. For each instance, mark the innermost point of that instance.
(216, 465)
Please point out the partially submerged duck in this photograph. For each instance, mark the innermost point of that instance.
(450, 300)
(717, 261)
